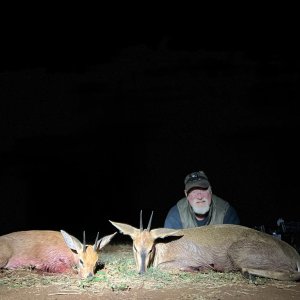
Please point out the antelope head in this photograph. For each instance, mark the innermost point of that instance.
(87, 256)
(144, 241)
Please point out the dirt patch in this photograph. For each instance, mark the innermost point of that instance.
(117, 279)
(186, 291)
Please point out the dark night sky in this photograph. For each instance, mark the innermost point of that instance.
(92, 131)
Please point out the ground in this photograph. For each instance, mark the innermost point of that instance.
(119, 280)
(188, 291)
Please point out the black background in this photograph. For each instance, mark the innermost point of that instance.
(99, 124)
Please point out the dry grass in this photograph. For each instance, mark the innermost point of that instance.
(119, 274)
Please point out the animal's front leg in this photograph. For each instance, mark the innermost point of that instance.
(181, 266)
(3, 262)
(201, 269)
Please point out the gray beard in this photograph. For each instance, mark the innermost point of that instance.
(201, 210)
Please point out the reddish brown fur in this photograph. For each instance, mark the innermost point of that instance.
(43, 250)
(47, 251)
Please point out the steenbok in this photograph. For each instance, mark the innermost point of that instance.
(50, 251)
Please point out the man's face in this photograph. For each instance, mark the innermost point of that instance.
(200, 200)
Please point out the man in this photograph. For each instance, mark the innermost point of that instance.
(200, 206)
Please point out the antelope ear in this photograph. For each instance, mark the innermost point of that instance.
(164, 232)
(104, 241)
(126, 229)
(72, 242)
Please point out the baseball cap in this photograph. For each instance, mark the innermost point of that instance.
(196, 180)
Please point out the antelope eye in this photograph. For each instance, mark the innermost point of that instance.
(81, 261)
(134, 248)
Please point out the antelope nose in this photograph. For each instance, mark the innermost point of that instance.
(141, 271)
(90, 275)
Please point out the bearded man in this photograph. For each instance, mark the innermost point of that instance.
(200, 206)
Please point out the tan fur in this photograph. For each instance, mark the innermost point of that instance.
(219, 247)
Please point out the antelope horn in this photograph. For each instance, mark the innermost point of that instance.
(95, 246)
(84, 243)
(150, 221)
(141, 221)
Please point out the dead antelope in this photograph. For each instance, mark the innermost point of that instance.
(50, 251)
(221, 248)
